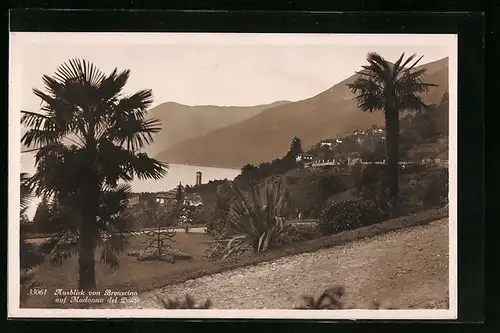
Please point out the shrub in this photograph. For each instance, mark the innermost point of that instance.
(328, 299)
(28, 281)
(425, 190)
(306, 232)
(312, 190)
(331, 299)
(29, 255)
(348, 214)
(436, 192)
(187, 303)
(167, 254)
(217, 225)
(372, 186)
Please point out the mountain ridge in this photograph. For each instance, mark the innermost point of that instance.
(181, 122)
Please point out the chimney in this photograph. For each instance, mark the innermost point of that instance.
(198, 178)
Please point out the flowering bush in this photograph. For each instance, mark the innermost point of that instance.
(167, 254)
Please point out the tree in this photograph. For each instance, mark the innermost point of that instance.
(89, 137)
(25, 192)
(295, 148)
(391, 88)
(179, 195)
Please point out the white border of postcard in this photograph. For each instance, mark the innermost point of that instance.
(174, 38)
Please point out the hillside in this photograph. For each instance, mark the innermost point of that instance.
(268, 134)
(182, 122)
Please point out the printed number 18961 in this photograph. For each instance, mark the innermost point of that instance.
(37, 292)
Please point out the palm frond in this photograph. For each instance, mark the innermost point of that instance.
(134, 133)
(136, 104)
(112, 85)
(26, 194)
(379, 84)
(81, 70)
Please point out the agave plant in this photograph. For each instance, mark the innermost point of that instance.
(187, 303)
(256, 220)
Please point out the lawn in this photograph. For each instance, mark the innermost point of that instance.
(132, 274)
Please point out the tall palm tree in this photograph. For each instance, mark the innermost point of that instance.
(391, 88)
(89, 136)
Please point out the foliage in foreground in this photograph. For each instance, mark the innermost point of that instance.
(332, 299)
(188, 302)
(329, 299)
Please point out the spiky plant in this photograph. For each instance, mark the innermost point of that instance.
(188, 302)
(256, 220)
(329, 299)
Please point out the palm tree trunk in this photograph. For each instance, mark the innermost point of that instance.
(86, 261)
(392, 150)
(87, 245)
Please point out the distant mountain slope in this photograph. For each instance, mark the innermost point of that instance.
(268, 134)
(182, 122)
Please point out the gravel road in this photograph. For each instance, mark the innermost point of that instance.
(405, 269)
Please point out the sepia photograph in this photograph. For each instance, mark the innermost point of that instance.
(231, 175)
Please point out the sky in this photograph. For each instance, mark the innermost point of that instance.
(214, 69)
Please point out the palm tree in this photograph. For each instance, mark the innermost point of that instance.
(381, 85)
(25, 193)
(89, 136)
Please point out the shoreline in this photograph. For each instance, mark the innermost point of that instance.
(204, 166)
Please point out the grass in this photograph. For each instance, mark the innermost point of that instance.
(47, 235)
(145, 276)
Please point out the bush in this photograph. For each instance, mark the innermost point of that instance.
(311, 191)
(425, 190)
(168, 254)
(306, 232)
(348, 214)
(29, 255)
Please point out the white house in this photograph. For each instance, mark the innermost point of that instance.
(329, 144)
(133, 201)
(193, 200)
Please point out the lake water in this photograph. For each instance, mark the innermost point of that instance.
(185, 174)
